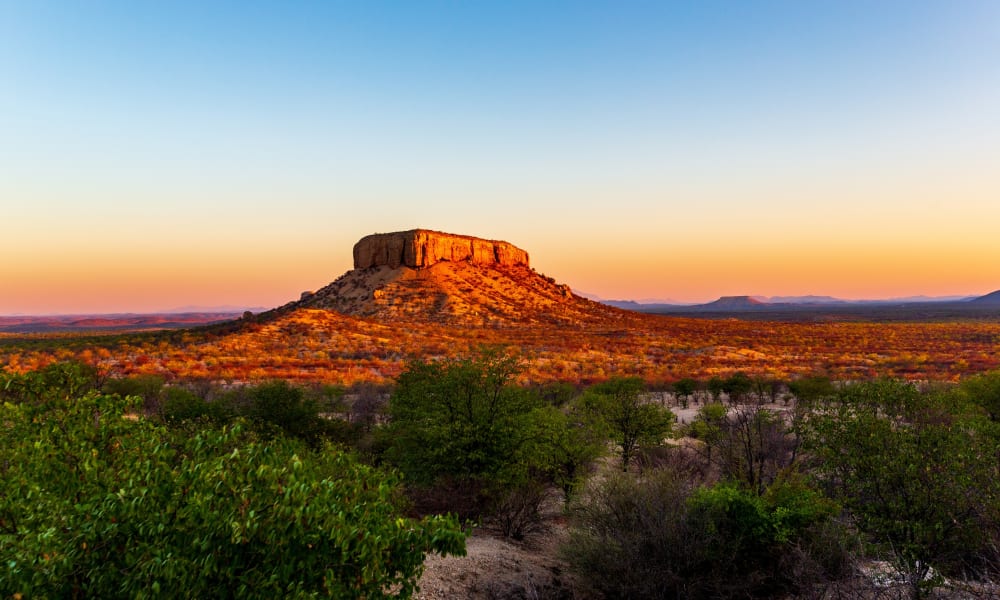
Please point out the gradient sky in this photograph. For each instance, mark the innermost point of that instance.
(157, 155)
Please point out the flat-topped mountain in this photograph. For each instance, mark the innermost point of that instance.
(431, 276)
(734, 303)
(420, 248)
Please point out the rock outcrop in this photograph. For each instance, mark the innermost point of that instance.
(429, 277)
(420, 248)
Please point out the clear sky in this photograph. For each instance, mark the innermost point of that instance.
(164, 154)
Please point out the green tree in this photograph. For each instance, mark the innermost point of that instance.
(629, 421)
(984, 390)
(285, 407)
(98, 502)
(749, 444)
(716, 385)
(809, 389)
(915, 470)
(708, 426)
(463, 420)
(737, 386)
(684, 388)
(571, 443)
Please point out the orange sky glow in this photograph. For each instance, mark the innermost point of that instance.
(150, 160)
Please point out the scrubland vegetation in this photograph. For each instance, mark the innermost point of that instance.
(328, 347)
(102, 500)
(133, 487)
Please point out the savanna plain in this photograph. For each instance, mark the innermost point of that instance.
(443, 421)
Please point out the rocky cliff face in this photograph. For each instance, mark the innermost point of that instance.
(420, 248)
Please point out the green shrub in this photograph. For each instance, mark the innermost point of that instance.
(918, 473)
(629, 538)
(147, 387)
(98, 502)
(464, 422)
(181, 404)
(628, 420)
(656, 537)
(984, 390)
(56, 382)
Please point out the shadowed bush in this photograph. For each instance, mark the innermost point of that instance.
(657, 537)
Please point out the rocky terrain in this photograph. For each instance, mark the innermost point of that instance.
(437, 277)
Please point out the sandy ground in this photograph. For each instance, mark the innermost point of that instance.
(499, 569)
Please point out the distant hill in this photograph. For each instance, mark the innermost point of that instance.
(805, 300)
(626, 304)
(993, 298)
(801, 304)
(734, 303)
(111, 322)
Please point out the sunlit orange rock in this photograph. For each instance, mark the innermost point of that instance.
(420, 248)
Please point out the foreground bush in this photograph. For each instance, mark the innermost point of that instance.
(918, 473)
(463, 434)
(97, 502)
(659, 537)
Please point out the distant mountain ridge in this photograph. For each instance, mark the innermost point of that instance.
(991, 298)
(747, 302)
(810, 299)
(110, 322)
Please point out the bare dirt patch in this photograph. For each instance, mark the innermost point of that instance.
(500, 569)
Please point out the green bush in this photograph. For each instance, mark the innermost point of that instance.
(464, 422)
(628, 537)
(984, 390)
(471, 441)
(628, 420)
(98, 502)
(285, 407)
(657, 537)
(181, 404)
(747, 444)
(809, 389)
(918, 473)
(56, 382)
(737, 386)
(569, 444)
(147, 387)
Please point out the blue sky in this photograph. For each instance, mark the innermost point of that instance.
(163, 154)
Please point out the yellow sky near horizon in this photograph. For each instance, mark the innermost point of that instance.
(691, 267)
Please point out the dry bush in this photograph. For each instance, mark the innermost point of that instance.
(521, 511)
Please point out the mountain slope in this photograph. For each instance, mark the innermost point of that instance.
(460, 293)
(428, 276)
(993, 298)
